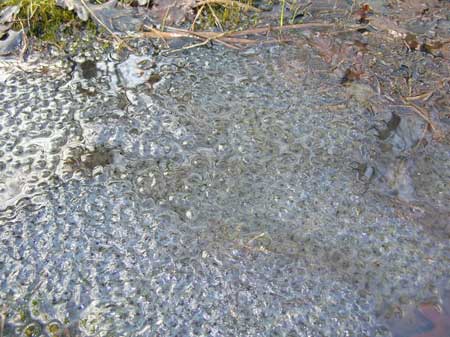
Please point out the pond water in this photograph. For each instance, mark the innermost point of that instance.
(215, 192)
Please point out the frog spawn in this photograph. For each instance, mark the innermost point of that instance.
(224, 195)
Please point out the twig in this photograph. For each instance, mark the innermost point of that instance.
(188, 47)
(259, 236)
(160, 36)
(25, 44)
(283, 8)
(196, 17)
(206, 41)
(163, 24)
(286, 27)
(423, 97)
(155, 33)
(226, 38)
(215, 17)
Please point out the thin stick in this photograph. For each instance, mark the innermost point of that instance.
(423, 97)
(222, 37)
(286, 27)
(188, 47)
(195, 45)
(160, 36)
(215, 16)
(25, 44)
(283, 7)
(227, 43)
(163, 24)
(196, 17)
(155, 33)
(259, 236)
(260, 30)
(226, 38)
(420, 112)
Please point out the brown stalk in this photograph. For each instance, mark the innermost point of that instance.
(229, 38)
(196, 17)
(215, 17)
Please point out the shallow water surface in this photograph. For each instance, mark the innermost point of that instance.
(212, 193)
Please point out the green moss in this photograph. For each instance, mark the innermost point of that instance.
(42, 18)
